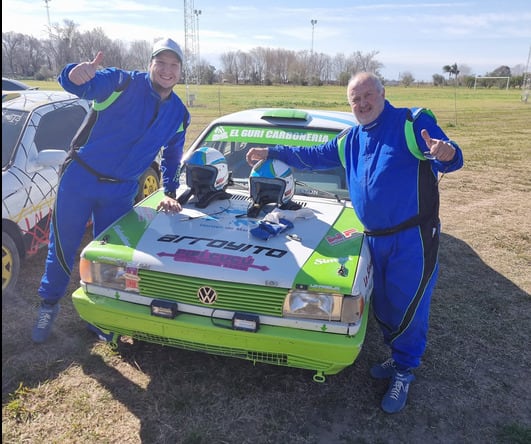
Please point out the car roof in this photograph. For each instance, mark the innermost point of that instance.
(28, 100)
(306, 118)
(15, 85)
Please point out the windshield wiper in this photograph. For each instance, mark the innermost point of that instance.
(321, 192)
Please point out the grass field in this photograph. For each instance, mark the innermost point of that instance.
(473, 386)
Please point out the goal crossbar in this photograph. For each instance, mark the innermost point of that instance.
(486, 77)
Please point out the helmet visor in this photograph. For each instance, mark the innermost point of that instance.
(267, 190)
(200, 177)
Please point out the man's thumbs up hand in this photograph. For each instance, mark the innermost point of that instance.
(84, 72)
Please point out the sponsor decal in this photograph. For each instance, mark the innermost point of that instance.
(343, 236)
(275, 136)
(131, 278)
(219, 134)
(205, 257)
(367, 278)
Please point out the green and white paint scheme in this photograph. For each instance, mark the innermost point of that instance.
(200, 280)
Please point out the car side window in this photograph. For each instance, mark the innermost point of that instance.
(12, 125)
(57, 128)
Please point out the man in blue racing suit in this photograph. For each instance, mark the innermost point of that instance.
(134, 115)
(394, 192)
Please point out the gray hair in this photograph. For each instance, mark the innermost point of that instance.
(364, 75)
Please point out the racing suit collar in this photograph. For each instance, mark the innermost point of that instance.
(376, 121)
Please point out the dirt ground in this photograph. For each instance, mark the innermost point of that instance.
(473, 386)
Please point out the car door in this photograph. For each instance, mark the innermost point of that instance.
(34, 172)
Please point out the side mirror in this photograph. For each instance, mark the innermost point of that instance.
(51, 158)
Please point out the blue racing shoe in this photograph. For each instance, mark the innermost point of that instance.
(395, 398)
(385, 370)
(43, 326)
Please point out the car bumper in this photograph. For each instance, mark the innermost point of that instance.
(325, 353)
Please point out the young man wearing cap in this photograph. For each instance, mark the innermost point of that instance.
(134, 114)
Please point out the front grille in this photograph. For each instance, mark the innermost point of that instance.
(268, 358)
(233, 297)
(281, 359)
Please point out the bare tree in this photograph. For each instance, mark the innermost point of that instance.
(91, 42)
(25, 56)
(230, 66)
(407, 78)
(438, 79)
(284, 62)
(258, 64)
(116, 53)
(364, 62)
(340, 69)
(244, 63)
(64, 41)
(138, 55)
(12, 44)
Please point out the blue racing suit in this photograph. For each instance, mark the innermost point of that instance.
(118, 141)
(396, 197)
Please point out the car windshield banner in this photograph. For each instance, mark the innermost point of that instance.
(272, 136)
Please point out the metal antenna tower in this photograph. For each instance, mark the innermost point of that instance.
(191, 50)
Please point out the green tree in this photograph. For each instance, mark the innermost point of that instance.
(452, 70)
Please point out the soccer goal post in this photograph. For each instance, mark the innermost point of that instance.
(487, 84)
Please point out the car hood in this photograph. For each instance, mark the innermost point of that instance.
(322, 249)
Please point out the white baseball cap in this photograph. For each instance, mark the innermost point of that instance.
(167, 45)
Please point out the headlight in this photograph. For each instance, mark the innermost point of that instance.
(323, 306)
(114, 276)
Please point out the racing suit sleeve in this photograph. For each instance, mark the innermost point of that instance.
(172, 155)
(317, 157)
(99, 88)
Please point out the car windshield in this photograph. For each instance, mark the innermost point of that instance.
(12, 125)
(238, 139)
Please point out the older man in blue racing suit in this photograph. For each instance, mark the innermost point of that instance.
(395, 194)
(134, 115)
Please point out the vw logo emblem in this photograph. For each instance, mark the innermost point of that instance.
(207, 295)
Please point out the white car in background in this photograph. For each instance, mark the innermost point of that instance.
(37, 128)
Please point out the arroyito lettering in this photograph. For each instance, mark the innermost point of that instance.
(222, 244)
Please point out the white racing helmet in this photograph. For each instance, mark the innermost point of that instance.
(271, 181)
(207, 175)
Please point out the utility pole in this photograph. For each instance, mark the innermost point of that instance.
(526, 84)
(48, 15)
(312, 62)
(527, 75)
(313, 22)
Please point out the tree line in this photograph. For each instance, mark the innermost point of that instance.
(27, 57)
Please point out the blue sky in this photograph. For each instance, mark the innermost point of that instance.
(416, 36)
